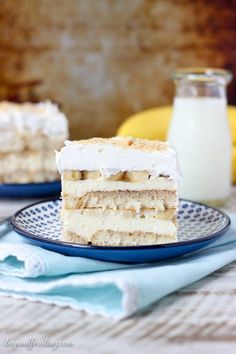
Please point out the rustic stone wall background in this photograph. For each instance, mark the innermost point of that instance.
(103, 60)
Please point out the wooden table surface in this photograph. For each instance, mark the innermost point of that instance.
(200, 318)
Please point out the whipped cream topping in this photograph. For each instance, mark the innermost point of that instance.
(43, 117)
(111, 159)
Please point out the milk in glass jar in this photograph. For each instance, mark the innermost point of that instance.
(199, 131)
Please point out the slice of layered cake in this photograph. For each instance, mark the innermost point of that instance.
(119, 191)
(29, 133)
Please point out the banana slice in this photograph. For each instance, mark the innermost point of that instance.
(91, 174)
(116, 177)
(137, 176)
(72, 175)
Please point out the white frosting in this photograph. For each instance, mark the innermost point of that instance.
(110, 159)
(42, 118)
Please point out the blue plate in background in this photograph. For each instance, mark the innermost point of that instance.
(31, 190)
(199, 225)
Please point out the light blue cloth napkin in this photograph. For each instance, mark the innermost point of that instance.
(109, 289)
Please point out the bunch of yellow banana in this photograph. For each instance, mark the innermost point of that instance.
(154, 123)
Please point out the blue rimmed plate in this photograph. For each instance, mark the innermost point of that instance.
(199, 225)
(30, 190)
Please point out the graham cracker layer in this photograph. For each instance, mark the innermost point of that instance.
(124, 200)
(114, 238)
(12, 142)
(29, 177)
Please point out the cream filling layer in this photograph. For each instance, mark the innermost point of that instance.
(80, 188)
(111, 159)
(87, 225)
(128, 214)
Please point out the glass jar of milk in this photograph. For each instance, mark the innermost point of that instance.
(199, 131)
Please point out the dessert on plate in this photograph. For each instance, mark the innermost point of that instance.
(120, 191)
(29, 133)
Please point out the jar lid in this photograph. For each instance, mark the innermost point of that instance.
(203, 75)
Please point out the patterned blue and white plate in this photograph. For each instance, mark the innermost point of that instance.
(30, 190)
(199, 225)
